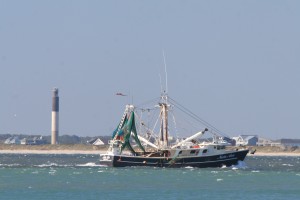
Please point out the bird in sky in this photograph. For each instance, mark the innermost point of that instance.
(121, 94)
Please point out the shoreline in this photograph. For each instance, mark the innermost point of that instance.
(290, 154)
(97, 152)
(67, 152)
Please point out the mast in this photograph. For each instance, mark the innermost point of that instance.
(164, 111)
(164, 121)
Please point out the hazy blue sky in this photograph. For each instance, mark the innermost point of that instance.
(234, 63)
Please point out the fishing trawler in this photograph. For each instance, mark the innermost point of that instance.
(134, 143)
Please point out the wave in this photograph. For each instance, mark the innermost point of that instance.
(10, 165)
(52, 172)
(55, 165)
(89, 164)
(240, 165)
(289, 165)
(47, 165)
(52, 165)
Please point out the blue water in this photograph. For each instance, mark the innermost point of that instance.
(81, 177)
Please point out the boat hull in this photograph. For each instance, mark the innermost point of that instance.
(226, 159)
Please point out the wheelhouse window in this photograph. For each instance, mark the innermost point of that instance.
(193, 152)
(220, 147)
(204, 151)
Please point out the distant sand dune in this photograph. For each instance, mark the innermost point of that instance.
(52, 149)
(90, 149)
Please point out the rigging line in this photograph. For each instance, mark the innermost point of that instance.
(198, 118)
(145, 109)
(187, 121)
(191, 113)
(144, 125)
(150, 101)
(150, 117)
(175, 125)
(185, 110)
(156, 124)
(140, 124)
(192, 116)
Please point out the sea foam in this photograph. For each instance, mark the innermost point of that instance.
(89, 164)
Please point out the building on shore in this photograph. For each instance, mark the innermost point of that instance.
(33, 141)
(246, 140)
(12, 140)
(290, 142)
(96, 142)
(267, 143)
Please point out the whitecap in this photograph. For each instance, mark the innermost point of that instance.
(10, 165)
(219, 179)
(52, 172)
(289, 165)
(240, 165)
(255, 171)
(47, 165)
(90, 164)
(189, 167)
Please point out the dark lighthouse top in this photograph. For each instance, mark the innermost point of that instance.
(55, 100)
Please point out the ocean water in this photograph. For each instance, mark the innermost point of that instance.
(77, 177)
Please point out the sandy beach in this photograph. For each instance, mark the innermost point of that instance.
(275, 154)
(84, 149)
(51, 151)
(103, 151)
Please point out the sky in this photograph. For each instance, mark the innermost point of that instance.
(234, 63)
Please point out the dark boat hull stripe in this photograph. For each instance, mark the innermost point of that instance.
(227, 159)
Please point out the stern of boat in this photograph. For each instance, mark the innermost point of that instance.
(107, 159)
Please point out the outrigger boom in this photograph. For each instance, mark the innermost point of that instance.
(190, 138)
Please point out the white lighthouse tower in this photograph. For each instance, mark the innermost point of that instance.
(55, 117)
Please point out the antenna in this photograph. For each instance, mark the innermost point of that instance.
(165, 71)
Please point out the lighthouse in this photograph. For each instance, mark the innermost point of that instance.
(55, 117)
